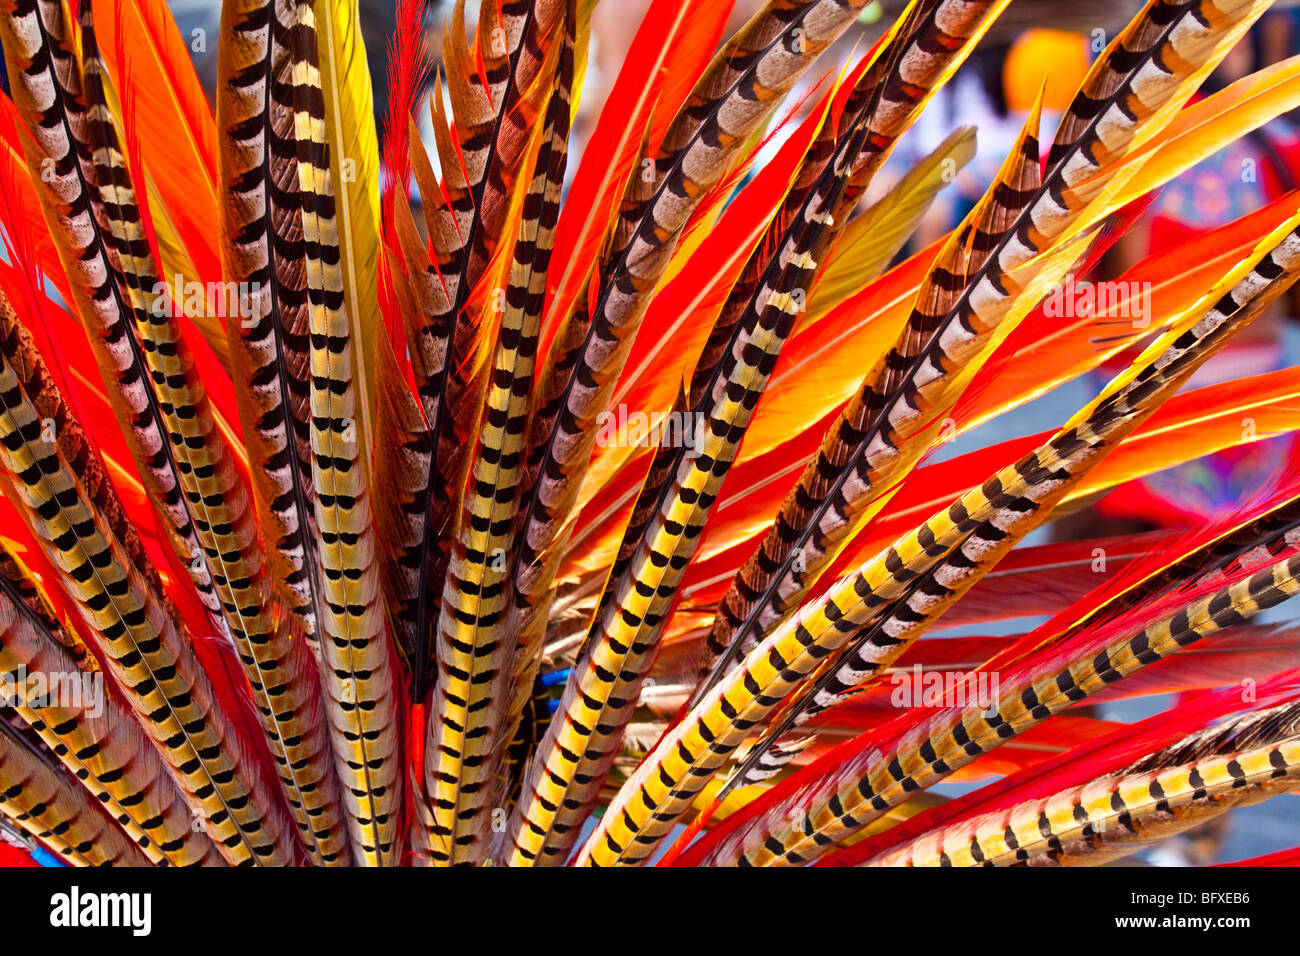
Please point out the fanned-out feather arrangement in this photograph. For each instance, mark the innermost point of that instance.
(494, 497)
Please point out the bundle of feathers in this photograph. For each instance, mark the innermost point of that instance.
(398, 505)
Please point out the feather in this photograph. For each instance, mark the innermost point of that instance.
(677, 321)
(42, 802)
(1096, 755)
(354, 174)
(623, 638)
(408, 72)
(121, 607)
(1229, 658)
(151, 63)
(484, 677)
(49, 611)
(162, 93)
(1021, 705)
(817, 512)
(221, 516)
(479, 173)
(732, 98)
(884, 429)
(31, 247)
(214, 497)
(819, 373)
(873, 238)
(428, 321)
(672, 335)
(357, 659)
(1206, 603)
(1045, 350)
(1047, 578)
(1243, 657)
(92, 736)
(518, 42)
(820, 633)
(402, 469)
(669, 52)
(64, 130)
(453, 328)
(294, 368)
(937, 589)
(261, 233)
(1182, 430)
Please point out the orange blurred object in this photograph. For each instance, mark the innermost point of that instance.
(1054, 57)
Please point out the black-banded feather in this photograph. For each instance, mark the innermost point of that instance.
(89, 732)
(1240, 762)
(664, 786)
(43, 802)
(263, 253)
(486, 673)
(452, 331)
(40, 54)
(294, 379)
(583, 739)
(734, 96)
(863, 789)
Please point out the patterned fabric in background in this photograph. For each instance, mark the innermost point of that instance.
(1234, 182)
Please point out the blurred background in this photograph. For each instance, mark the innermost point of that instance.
(1047, 44)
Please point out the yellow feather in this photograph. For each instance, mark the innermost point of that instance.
(354, 170)
(872, 239)
(580, 49)
(1201, 130)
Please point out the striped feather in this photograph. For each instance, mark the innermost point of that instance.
(624, 637)
(357, 664)
(93, 737)
(216, 498)
(42, 802)
(1245, 761)
(63, 155)
(262, 251)
(293, 357)
(885, 779)
(465, 215)
(781, 664)
(736, 93)
(486, 677)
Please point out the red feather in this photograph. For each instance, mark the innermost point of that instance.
(668, 54)
(177, 141)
